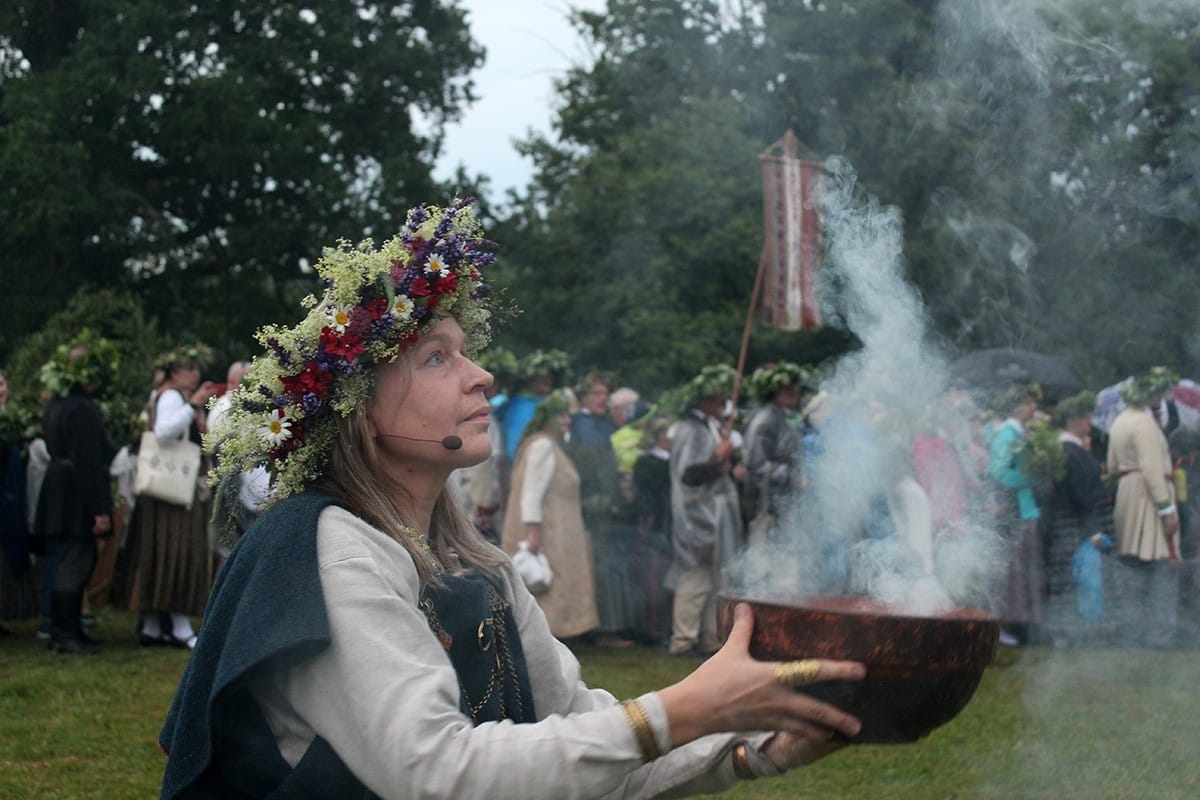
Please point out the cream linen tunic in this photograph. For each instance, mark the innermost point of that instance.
(1139, 457)
(545, 489)
(385, 697)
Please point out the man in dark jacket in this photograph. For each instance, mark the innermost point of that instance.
(75, 505)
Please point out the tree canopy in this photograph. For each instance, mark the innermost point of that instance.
(1042, 156)
(203, 153)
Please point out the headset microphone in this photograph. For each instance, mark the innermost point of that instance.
(448, 442)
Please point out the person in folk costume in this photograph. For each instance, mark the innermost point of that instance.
(774, 449)
(706, 520)
(949, 463)
(590, 447)
(1185, 453)
(170, 561)
(1079, 511)
(541, 372)
(652, 515)
(628, 410)
(363, 640)
(17, 425)
(544, 512)
(74, 506)
(1020, 605)
(1145, 518)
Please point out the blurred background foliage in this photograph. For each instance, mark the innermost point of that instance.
(168, 170)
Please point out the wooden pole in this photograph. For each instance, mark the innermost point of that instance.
(741, 364)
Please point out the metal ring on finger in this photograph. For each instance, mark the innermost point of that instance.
(798, 673)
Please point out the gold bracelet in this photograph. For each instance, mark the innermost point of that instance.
(639, 721)
(741, 763)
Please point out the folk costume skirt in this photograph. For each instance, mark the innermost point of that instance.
(169, 565)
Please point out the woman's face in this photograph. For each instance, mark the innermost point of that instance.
(788, 397)
(1025, 411)
(186, 378)
(596, 400)
(432, 393)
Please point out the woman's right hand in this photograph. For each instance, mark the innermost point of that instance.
(533, 536)
(733, 692)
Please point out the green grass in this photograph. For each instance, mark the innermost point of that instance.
(1109, 724)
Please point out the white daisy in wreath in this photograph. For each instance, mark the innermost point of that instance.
(276, 427)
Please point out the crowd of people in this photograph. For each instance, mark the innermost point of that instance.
(645, 511)
(366, 455)
(1005, 503)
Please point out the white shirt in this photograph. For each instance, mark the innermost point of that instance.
(385, 697)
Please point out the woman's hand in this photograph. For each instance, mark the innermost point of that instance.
(787, 750)
(203, 394)
(733, 692)
(533, 536)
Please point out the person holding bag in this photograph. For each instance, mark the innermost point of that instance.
(170, 570)
(545, 515)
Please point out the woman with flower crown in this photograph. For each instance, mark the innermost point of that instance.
(364, 640)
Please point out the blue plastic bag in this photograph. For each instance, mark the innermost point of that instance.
(1088, 573)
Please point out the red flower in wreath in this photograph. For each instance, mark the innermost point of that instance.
(348, 346)
(446, 285)
(311, 380)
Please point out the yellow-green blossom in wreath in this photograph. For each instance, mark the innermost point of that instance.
(375, 305)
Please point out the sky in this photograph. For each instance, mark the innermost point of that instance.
(529, 43)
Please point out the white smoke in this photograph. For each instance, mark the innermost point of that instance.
(862, 526)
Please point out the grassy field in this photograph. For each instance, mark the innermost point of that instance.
(1110, 724)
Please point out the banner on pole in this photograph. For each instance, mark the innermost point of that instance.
(793, 244)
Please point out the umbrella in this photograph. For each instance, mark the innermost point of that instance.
(998, 368)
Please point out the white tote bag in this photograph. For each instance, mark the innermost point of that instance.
(167, 470)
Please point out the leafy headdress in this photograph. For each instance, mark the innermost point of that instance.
(188, 355)
(768, 379)
(1158, 381)
(95, 363)
(376, 304)
(712, 381)
(545, 362)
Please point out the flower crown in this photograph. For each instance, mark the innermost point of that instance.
(199, 354)
(375, 305)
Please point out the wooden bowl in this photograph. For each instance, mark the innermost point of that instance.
(921, 670)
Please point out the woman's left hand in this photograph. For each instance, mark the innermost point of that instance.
(787, 750)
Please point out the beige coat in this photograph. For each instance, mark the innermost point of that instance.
(545, 488)
(1139, 458)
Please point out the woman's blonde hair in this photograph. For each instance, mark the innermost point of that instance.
(353, 476)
